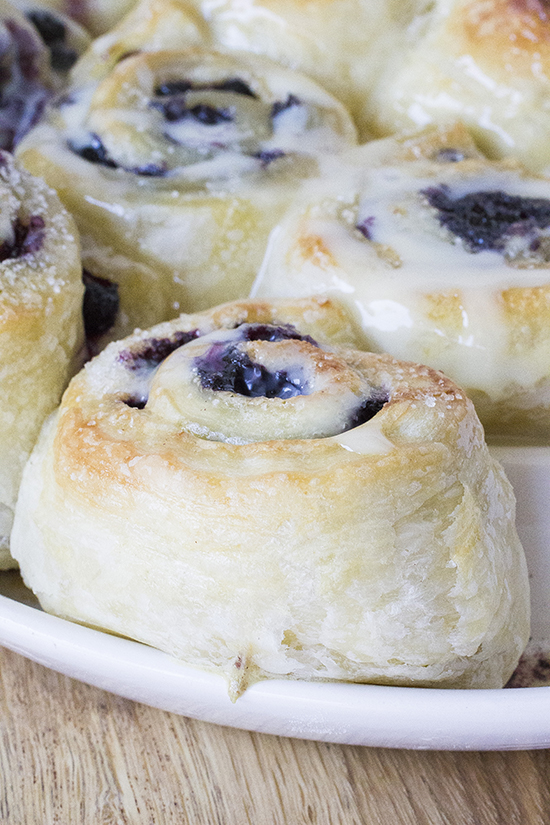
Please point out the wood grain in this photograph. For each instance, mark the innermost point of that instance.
(70, 753)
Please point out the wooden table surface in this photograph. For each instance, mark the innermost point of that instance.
(70, 753)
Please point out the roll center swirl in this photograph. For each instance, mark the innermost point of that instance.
(261, 383)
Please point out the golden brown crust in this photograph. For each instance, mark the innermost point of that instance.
(485, 62)
(41, 335)
(388, 550)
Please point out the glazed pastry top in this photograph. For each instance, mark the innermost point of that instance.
(200, 115)
(486, 62)
(440, 257)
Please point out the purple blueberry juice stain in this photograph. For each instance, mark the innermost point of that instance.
(365, 227)
(28, 237)
(270, 332)
(283, 105)
(171, 100)
(369, 408)
(153, 351)
(268, 156)
(95, 152)
(485, 220)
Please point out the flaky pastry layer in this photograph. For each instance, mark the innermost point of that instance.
(385, 552)
(41, 332)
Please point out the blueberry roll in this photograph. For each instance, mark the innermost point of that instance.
(37, 50)
(246, 492)
(444, 258)
(487, 63)
(40, 321)
(345, 45)
(176, 166)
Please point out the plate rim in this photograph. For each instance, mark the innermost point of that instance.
(342, 713)
(337, 712)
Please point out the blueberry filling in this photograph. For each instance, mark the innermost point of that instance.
(224, 368)
(53, 34)
(368, 409)
(281, 106)
(150, 170)
(268, 156)
(27, 238)
(95, 152)
(210, 115)
(177, 87)
(135, 402)
(236, 85)
(175, 108)
(484, 220)
(155, 350)
(100, 305)
(269, 332)
(173, 87)
(49, 27)
(365, 227)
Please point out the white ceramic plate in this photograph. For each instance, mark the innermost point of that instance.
(515, 718)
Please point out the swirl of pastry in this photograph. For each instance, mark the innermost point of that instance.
(40, 321)
(364, 533)
(177, 165)
(444, 258)
(486, 63)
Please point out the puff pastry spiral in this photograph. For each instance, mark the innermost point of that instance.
(176, 165)
(242, 491)
(443, 256)
(40, 321)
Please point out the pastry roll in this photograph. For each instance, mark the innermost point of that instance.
(486, 62)
(239, 489)
(150, 26)
(36, 51)
(40, 321)
(444, 258)
(344, 45)
(176, 166)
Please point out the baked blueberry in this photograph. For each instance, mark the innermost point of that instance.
(482, 220)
